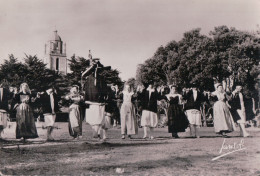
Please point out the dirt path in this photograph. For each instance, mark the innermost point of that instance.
(162, 156)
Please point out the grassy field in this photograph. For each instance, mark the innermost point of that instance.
(115, 156)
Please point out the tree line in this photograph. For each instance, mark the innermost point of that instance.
(227, 55)
(33, 71)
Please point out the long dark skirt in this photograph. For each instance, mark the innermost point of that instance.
(26, 127)
(177, 120)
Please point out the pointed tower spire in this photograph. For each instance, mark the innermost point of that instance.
(90, 55)
(90, 58)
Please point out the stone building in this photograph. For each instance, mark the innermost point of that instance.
(55, 54)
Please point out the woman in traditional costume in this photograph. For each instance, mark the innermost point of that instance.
(75, 119)
(24, 114)
(223, 121)
(177, 120)
(128, 118)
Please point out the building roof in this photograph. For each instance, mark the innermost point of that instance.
(57, 37)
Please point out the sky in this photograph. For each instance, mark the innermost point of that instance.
(123, 33)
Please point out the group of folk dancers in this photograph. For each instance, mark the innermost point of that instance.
(184, 110)
(21, 104)
(228, 110)
(98, 110)
(97, 106)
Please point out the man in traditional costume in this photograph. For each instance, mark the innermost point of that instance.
(4, 98)
(49, 100)
(149, 119)
(192, 107)
(238, 110)
(95, 95)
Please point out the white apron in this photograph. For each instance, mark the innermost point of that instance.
(49, 119)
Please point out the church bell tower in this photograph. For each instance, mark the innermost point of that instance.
(55, 54)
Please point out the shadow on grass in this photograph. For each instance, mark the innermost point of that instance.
(130, 168)
(171, 164)
(124, 144)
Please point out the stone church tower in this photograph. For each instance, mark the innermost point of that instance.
(55, 54)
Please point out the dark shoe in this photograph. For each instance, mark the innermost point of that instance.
(175, 135)
(98, 136)
(225, 136)
(50, 140)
